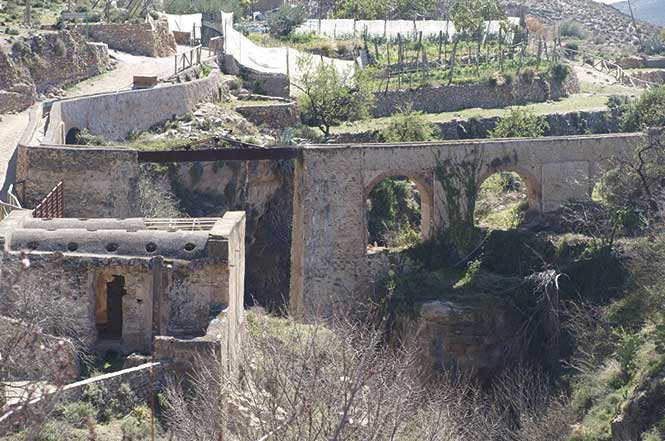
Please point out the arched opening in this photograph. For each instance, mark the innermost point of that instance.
(502, 201)
(109, 308)
(73, 136)
(397, 213)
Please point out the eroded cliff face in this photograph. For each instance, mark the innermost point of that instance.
(46, 62)
(265, 191)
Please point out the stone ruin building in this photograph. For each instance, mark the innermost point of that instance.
(133, 281)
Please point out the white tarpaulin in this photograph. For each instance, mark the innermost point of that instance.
(341, 29)
(184, 23)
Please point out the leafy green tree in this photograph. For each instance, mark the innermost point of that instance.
(648, 111)
(408, 125)
(386, 9)
(196, 6)
(520, 124)
(329, 96)
(285, 20)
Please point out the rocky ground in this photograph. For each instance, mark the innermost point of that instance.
(609, 26)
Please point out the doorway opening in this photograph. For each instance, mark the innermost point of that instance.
(109, 309)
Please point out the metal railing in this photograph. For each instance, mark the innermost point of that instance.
(12, 203)
(52, 205)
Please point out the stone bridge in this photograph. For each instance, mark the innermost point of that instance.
(329, 261)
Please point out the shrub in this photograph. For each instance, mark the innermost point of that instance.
(528, 76)
(408, 125)
(520, 124)
(571, 50)
(648, 111)
(134, 429)
(59, 48)
(21, 48)
(559, 72)
(330, 96)
(79, 413)
(285, 20)
(573, 29)
(58, 431)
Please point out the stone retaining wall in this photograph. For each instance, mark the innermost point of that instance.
(467, 96)
(259, 82)
(654, 76)
(115, 115)
(152, 38)
(275, 116)
(559, 124)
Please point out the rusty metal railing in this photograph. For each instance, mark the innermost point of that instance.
(53, 205)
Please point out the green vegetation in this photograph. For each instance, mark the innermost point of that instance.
(285, 20)
(501, 202)
(520, 124)
(393, 213)
(384, 9)
(648, 111)
(570, 28)
(330, 97)
(197, 6)
(408, 125)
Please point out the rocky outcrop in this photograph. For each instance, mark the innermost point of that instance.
(46, 62)
(604, 22)
(643, 409)
(471, 338)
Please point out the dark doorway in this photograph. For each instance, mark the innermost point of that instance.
(111, 327)
(73, 136)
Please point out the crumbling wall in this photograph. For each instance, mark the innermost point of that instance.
(44, 62)
(276, 116)
(152, 38)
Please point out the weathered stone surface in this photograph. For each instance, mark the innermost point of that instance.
(643, 409)
(152, 38)
(329, 247)
(466, 96)
(470, 338)
(114, 115)
(276, 116)
(50, 60)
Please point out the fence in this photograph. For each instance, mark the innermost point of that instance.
(52, 205)
(12, 203)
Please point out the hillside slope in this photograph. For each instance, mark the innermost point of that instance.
(607, 24)
(652, 11)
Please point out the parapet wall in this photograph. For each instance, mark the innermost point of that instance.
(466, 96)
(152, 38)
(115, 115)
(98, 182)
(276, 116)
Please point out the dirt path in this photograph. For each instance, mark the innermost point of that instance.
(120, 78)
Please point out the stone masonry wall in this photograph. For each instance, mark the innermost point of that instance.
(152, 38)
(329, 264)
(44, 62)
(98, 182)
(275, 116)
(466, 96)
(559, 124)
(114, 115)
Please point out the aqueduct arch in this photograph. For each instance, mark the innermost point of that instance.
(423, 181)
(328, 252)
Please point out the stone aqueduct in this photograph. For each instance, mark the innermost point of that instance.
(329, 246)
(331, 182)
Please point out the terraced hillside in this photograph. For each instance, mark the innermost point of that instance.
(607, 25)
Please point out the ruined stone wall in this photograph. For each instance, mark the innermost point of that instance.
(275, 116)
(258, 82)
(466, 96)
(329, 262)
(98, 182)
(114, 115)
(152, 38)
(143, 383)
(262, 189)
(44, 62)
